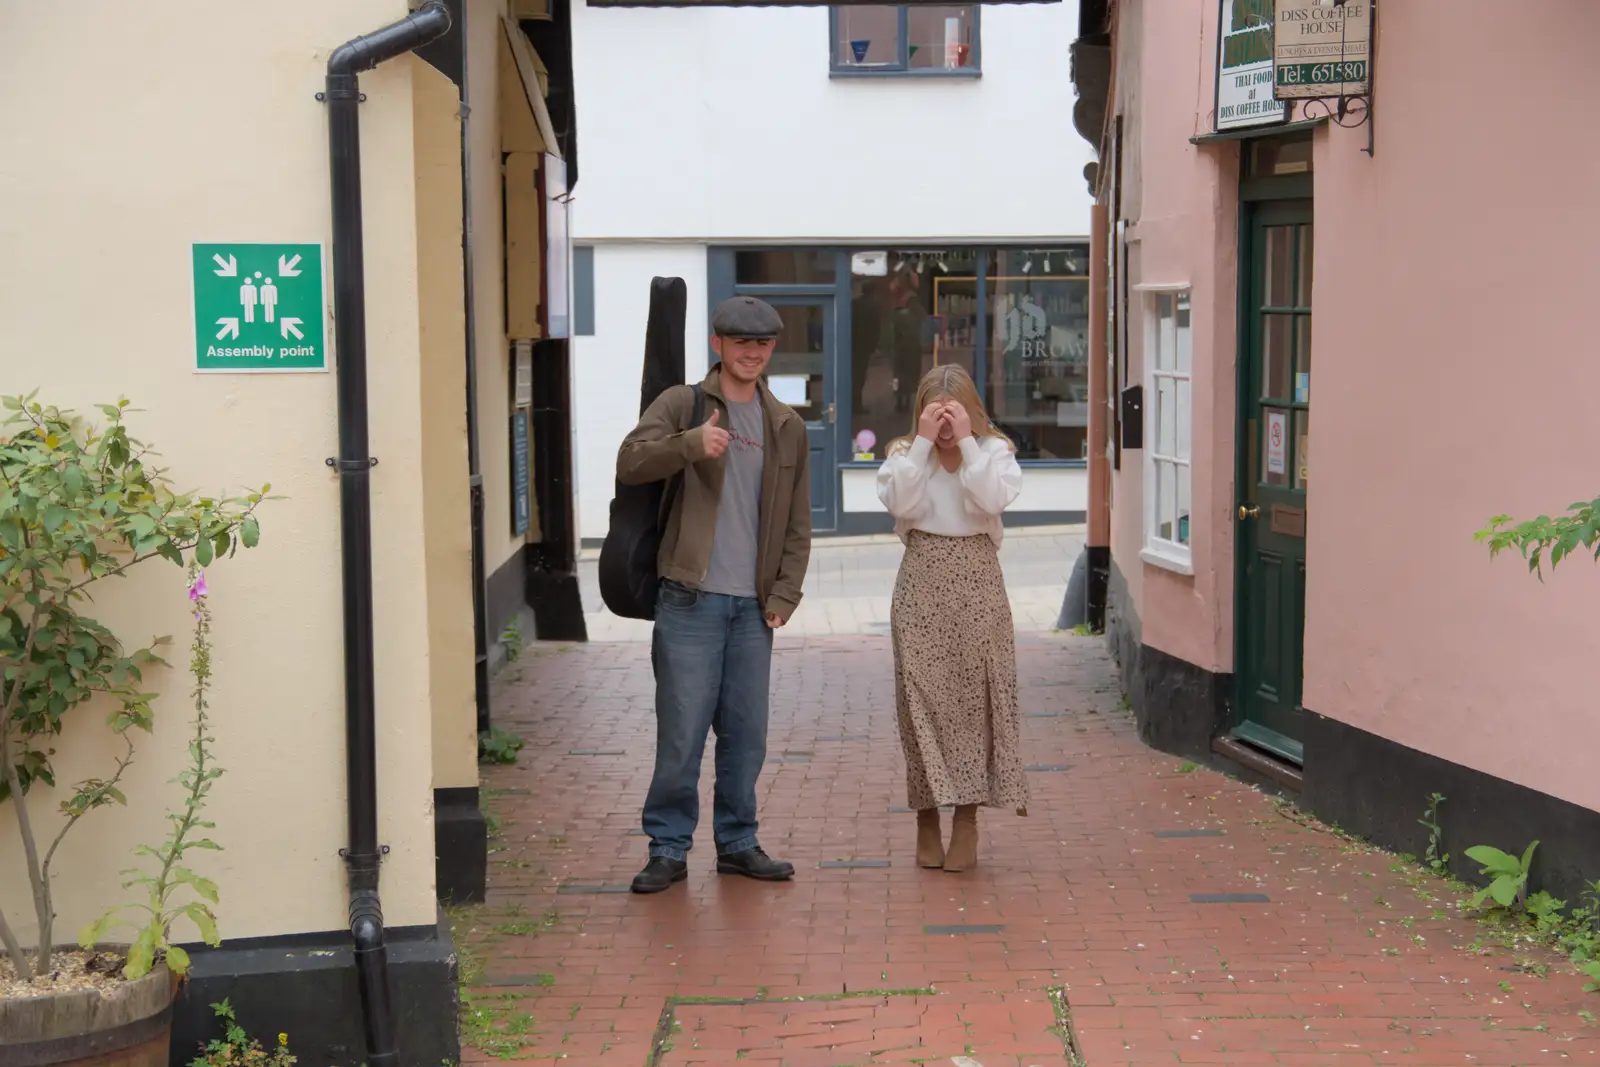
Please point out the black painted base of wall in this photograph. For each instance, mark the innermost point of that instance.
(1368, 785)
(557, 604)
(1099, 557)
(305, 986)
(506, 594)
(521, 582)
(1179, 707)
(460, 846)
(1377, 788)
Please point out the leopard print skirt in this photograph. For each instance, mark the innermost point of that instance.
(955, 667)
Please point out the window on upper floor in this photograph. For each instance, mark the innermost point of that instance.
(904, 39)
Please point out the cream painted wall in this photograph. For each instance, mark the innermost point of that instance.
(209, 143)
(445, 475)
(488, 280)
(1454, 380)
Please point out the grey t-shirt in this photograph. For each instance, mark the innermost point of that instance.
(733, 547)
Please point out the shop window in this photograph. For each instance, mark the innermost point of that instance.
(908, 311)
(1037, 359)
(783, 266)
(1169, 404)
(904, 39)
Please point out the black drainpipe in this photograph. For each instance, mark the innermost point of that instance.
(363, 856)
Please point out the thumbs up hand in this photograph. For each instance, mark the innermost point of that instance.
(713, 438)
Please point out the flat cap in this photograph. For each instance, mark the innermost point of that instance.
(746, 317)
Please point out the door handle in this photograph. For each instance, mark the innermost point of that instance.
(1248, 513)
(831, 410)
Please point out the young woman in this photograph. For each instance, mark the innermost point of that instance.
(955, 658)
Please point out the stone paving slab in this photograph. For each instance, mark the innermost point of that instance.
(1114, 895)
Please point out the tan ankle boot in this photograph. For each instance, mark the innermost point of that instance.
(930, 847)
(963, 851)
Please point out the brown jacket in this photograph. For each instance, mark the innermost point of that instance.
(663, 444)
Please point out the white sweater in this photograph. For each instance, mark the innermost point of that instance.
(922, 495)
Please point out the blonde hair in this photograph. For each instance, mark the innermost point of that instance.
(949, 381)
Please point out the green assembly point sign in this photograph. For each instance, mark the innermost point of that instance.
(259, 307)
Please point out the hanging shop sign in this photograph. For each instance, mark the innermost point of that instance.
(1244, 66)
(1323, 49)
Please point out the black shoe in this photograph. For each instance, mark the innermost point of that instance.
(659, 874)
(754, 863)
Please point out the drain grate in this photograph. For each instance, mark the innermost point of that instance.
(1229, 898)
(1190, 833)
(971, 928)
(852, 865)
(1045, 768)
(574, 890)
(596, 752)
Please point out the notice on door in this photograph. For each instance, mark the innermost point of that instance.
(1277, 442)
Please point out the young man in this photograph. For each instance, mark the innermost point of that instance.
(733, 558)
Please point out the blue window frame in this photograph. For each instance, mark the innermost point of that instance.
(900, 40)
(583, 291)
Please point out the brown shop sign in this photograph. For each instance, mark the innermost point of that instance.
(1321, 48)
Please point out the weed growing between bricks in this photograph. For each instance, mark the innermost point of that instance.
(494, 1022)
(1063, 1027)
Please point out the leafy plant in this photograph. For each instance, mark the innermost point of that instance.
(238, 1049)
(1545, 910)
(1438, 859)
(1545, 537)
(511, 639)
(499, 746)
(80, 504)
(1508, 884)
(165, 885)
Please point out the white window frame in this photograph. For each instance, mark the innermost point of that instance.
(1167, 553)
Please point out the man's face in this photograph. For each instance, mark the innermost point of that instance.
(744, 359)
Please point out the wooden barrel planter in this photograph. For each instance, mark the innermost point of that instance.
(130, 1026)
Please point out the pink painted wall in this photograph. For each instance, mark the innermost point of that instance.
(1457, 358)
(1182, 201)
(1457, 365)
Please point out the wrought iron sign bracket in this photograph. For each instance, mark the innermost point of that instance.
(1350, 112)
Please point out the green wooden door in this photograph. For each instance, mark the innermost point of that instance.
(1274, 435)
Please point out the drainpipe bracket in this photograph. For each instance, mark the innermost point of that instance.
(352, 464)
(342, 94)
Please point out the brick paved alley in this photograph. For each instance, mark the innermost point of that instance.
(1155, 912)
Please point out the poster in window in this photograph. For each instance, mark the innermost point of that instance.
(1277, 442)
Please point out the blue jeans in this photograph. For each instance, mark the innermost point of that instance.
(712, 656)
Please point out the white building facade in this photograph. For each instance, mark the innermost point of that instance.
(902, 183)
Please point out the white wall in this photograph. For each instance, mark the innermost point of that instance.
(606, 368)
(723, 124)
